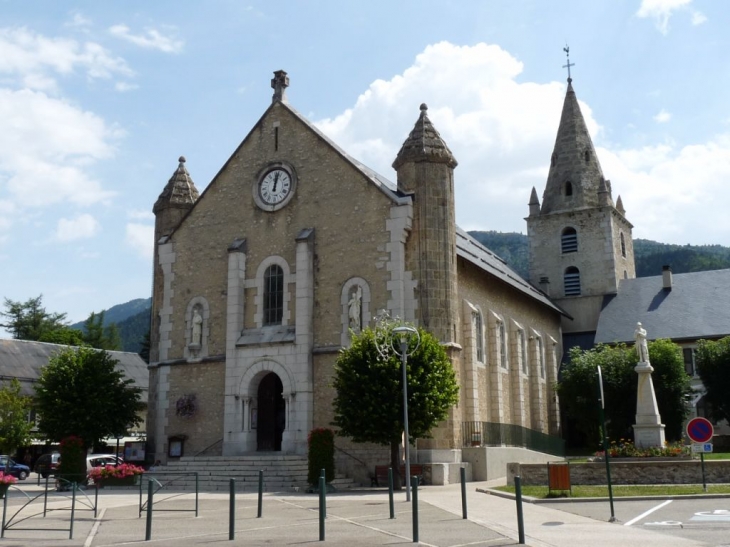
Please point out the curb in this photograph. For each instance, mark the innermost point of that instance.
(529, 499)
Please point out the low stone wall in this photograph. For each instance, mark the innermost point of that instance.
(625, 472)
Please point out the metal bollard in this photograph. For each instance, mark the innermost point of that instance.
(232, 510)
(148, 527)
(261, 493)
(414, 501)
(462, 472)
(73, 510)
(322, 490)
(520, 520)
(323, 477)
(390, 492)
(5, 510)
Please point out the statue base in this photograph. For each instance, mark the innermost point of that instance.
(649, 435)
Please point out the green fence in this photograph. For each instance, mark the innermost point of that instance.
(496, 434)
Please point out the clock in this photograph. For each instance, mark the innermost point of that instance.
(274, 187)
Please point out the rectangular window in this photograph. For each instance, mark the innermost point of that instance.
(689, 361)
(540, 357)
(523, 348)
(502, 345)
(479, 333)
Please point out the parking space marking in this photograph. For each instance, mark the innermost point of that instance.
(719, 515)
(647, 513)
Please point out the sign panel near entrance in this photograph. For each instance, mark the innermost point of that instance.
(701, 448)
(699, 430)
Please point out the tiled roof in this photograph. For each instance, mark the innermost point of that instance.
(698, 306)
(23, 359)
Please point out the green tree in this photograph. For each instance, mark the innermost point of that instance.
(369, 402)
(14, 413)
(80, 392)
(29, 320)
(578, 389)
(65, 336)
(713, 366)
(99, 336)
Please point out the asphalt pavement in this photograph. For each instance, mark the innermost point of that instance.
(353, 518)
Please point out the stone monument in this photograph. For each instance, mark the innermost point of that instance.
(648, 429)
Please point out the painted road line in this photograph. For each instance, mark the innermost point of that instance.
(647, 513)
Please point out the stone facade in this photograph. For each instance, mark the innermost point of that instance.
(279, 274)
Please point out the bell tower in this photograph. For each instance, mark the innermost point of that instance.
(580, 242)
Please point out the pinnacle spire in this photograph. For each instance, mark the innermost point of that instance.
(575, 172)
(424, 144)
(179, 192)
(534, 203)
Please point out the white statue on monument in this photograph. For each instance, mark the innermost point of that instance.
(648, 429)
(642, 348)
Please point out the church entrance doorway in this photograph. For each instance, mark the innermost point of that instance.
(271, 414)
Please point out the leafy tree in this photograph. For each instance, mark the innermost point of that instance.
(578, 389)
(98, 336)
(713, 366)
(65, 336)
(14, 425)
(369, 402)
(29, 320)
(81, 393)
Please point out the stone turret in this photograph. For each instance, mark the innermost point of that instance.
(534, 203)
(425, 168)
(176, 199)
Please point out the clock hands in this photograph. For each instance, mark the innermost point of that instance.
(276, 181)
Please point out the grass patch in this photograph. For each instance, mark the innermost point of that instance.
(620, 491)
(717, 456)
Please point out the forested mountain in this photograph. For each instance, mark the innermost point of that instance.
(132, 319)
(650, 255)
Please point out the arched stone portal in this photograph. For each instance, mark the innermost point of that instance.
(271, 419)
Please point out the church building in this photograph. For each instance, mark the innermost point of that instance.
(259, 279)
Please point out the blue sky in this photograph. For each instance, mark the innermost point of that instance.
(99, 99)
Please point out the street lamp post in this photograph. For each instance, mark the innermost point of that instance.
(404, 332)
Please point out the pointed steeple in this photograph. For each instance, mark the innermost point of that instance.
(180, 191)
(620, 206)
(575, 172)
(534, 203)
(424, 144)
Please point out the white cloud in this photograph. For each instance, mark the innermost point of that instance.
(47, 147)
(661, 11)
(698, 18)
(125, 86)
(78, 21)
(151, 39)
(34, 59)
(663, 116)
(82, 227)
(140, 238)
(139, 214)
(502, 133)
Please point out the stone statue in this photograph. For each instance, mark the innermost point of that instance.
(197, 327)
(642, 348)
(355, 306)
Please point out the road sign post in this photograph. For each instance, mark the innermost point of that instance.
(700, 431)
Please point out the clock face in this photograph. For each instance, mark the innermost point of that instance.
(275, 186)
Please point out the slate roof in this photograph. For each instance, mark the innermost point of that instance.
(698, 306)
(23, 360)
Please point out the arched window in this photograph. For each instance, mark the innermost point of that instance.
(571, 281)
(552, 160)
(568, 189)
(479, 333)
(623, 245)
(587, 155)
(569, 241)
(502, 345)
(273, 295)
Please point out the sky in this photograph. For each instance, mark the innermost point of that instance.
(98, 100)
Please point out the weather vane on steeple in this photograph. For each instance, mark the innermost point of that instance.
(566, 49)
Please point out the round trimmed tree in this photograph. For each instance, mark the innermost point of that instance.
(369, 402)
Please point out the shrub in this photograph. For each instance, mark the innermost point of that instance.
(321, 455)
(72, 463)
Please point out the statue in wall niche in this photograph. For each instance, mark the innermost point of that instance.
(642, 348)
(355, 309)
(197, 337)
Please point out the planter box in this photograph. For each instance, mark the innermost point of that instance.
(125, 481)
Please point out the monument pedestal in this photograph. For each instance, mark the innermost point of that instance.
(648, 429)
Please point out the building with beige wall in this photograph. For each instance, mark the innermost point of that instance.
(259, 279)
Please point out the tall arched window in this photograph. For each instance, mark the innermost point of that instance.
(623, 245)
(273, 295)
(479, 333)
(571, 281)
(568, 188)
(502, 345)
(569, 241)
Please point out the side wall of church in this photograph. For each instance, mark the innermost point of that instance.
(516, 387)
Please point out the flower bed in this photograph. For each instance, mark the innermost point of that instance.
(5, 482)
(626, 449)
(125, 474)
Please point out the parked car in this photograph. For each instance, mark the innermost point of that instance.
(47, 464)
(10, 467)
(101, 460)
